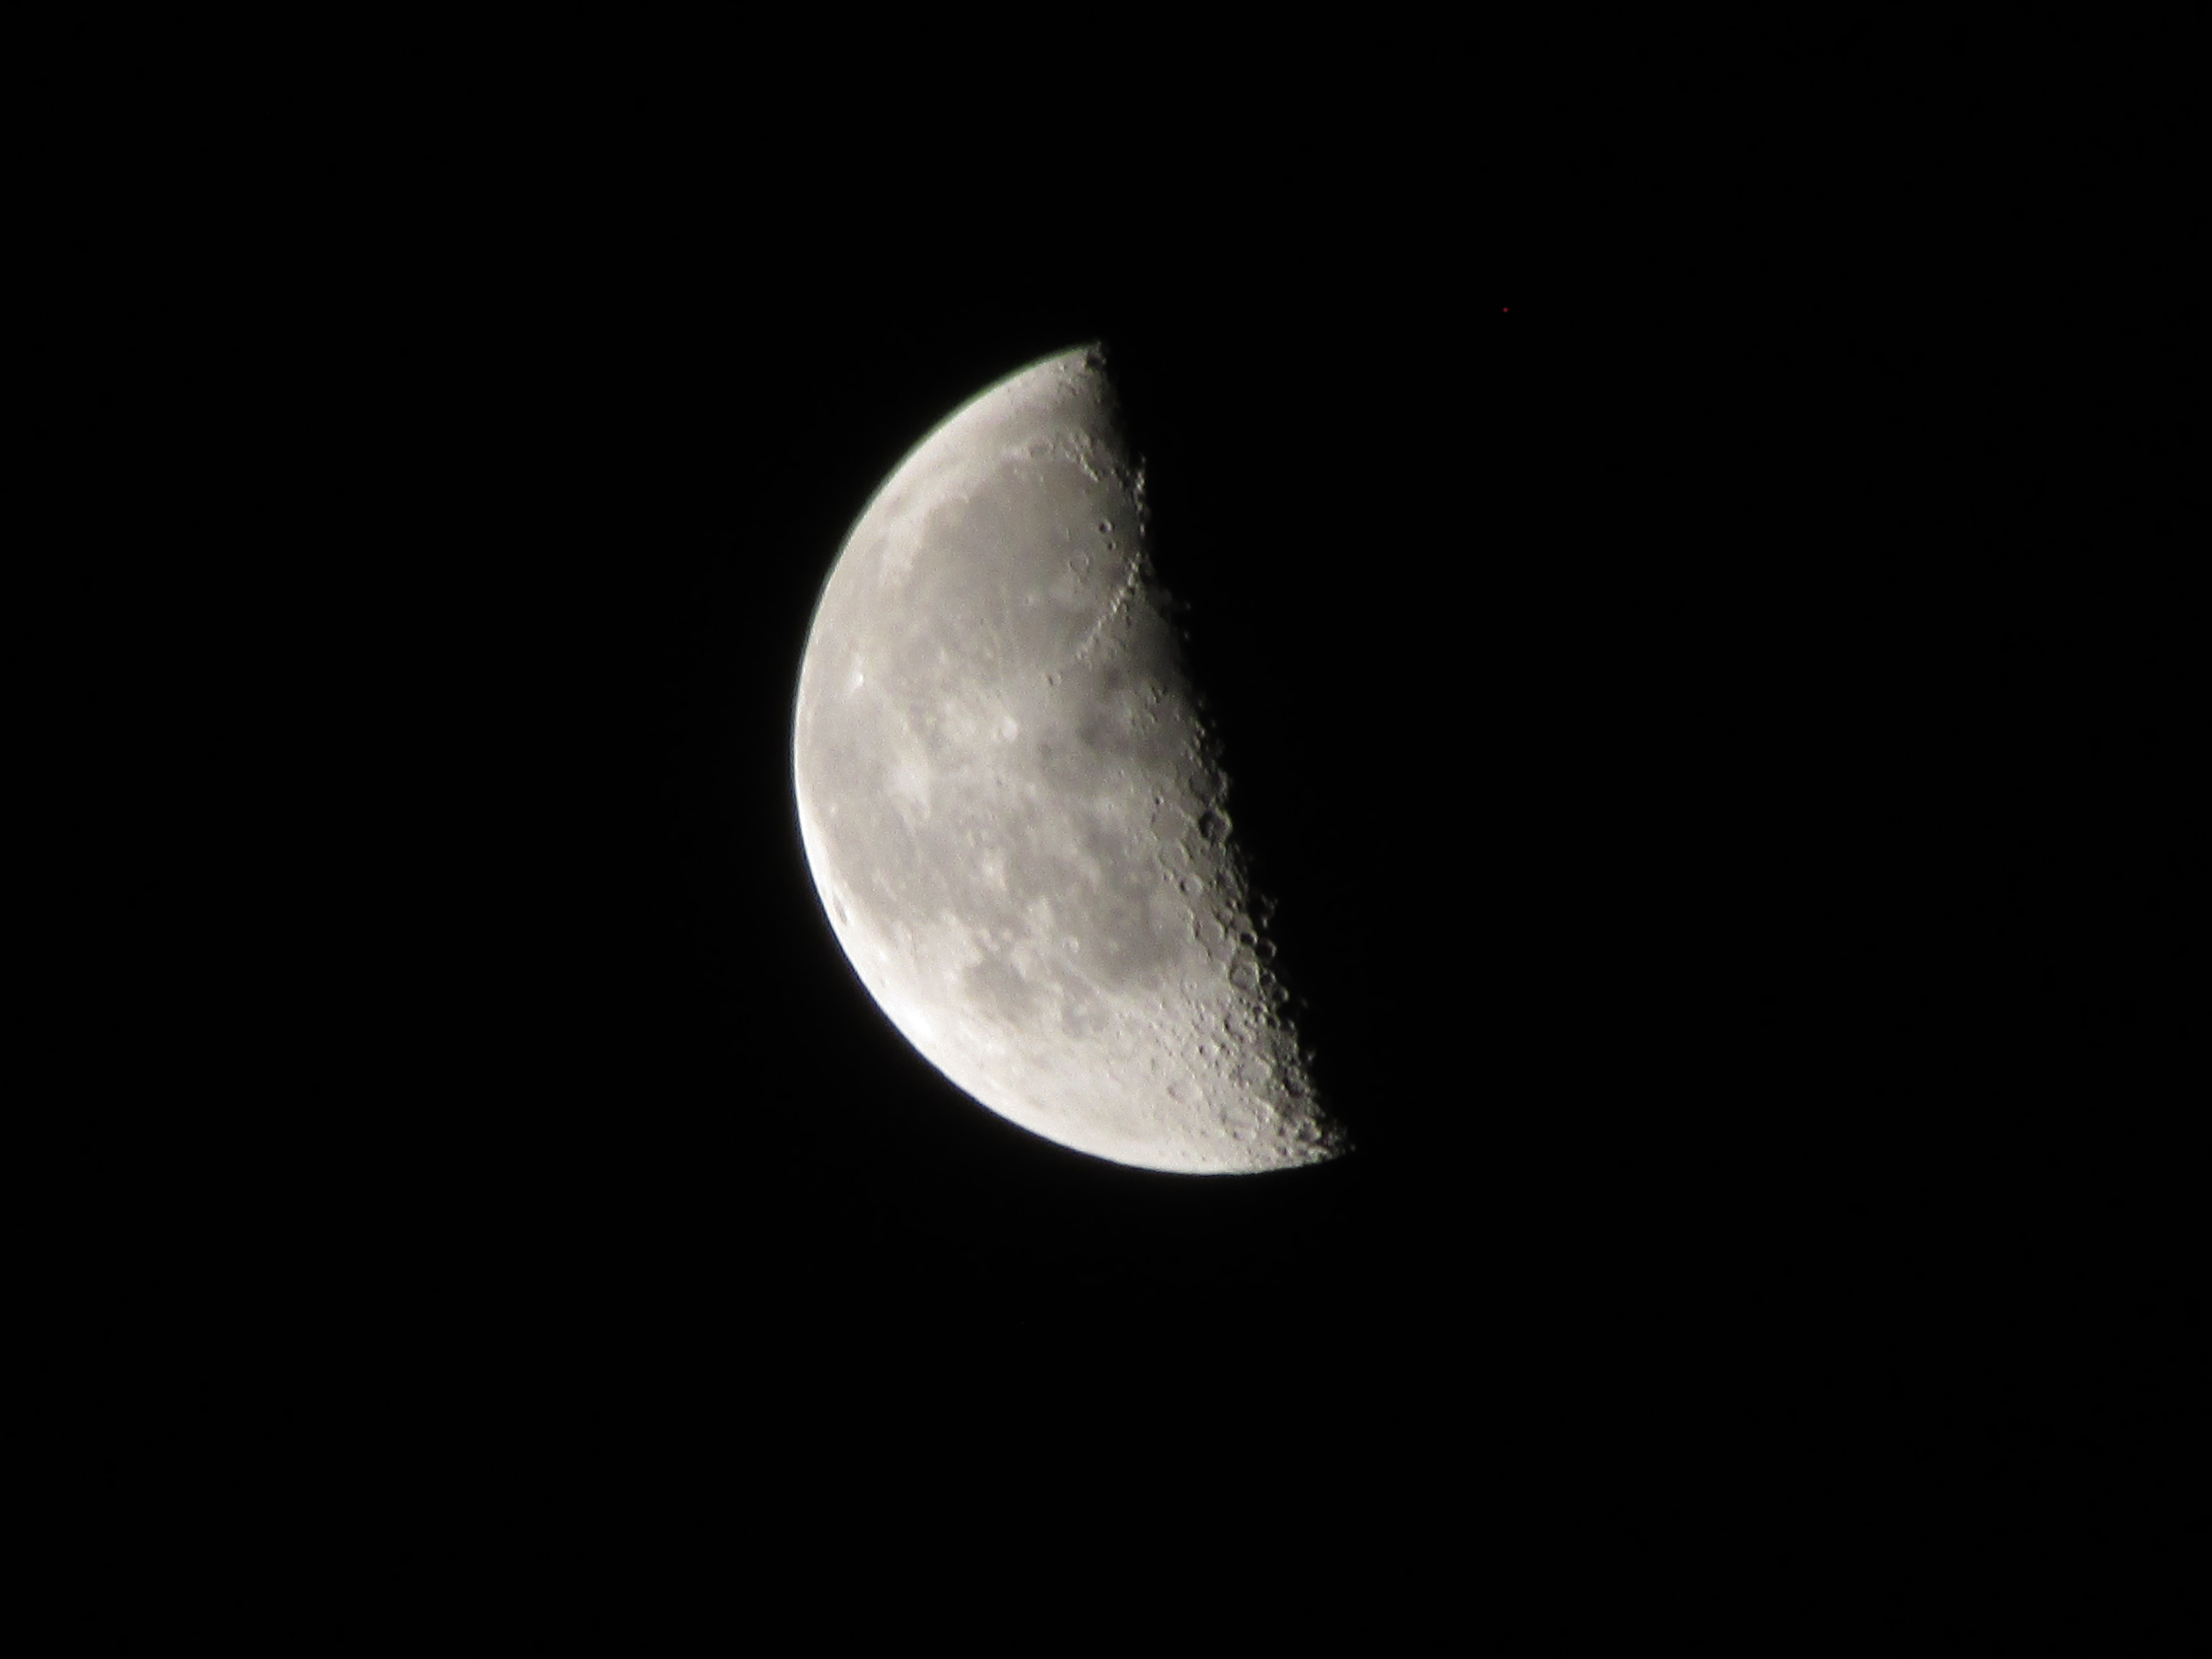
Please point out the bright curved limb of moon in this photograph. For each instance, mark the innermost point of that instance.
(1014, 812)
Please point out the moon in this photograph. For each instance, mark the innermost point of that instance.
(1015, 815)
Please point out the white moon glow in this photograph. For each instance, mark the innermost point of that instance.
(1013, 813)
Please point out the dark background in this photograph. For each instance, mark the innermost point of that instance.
(1699, 672)
(1718, 877)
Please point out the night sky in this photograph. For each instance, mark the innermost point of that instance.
(1713, 796)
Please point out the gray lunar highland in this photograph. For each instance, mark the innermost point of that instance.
(1013, 813)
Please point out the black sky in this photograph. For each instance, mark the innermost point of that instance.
(1677, 682)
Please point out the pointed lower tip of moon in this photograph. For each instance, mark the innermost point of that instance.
(1313, 1144)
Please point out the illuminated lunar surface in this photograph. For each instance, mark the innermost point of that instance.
(1013, 813)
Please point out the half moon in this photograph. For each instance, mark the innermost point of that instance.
(1014, 814)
